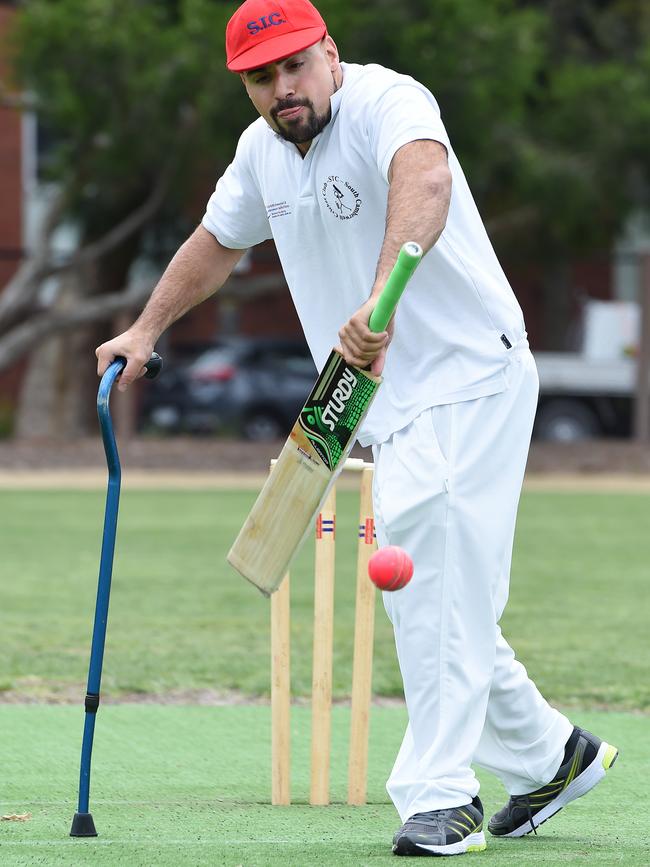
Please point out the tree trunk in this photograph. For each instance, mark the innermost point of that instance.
(57, 398)
(36, 407)
(58, 395)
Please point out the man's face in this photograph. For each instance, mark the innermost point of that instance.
(293, 95)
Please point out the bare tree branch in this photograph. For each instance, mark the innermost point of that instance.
(28, 334)
(136, 219)
(19, 295)
(24, 337)
(118, 234)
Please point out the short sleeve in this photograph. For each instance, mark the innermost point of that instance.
(403, 113)
(235, 212)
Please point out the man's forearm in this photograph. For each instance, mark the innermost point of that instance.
(418, 201)
(200, 267)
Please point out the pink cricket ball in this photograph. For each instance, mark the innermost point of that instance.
(390, 568)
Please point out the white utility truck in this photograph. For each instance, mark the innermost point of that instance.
(590, 393)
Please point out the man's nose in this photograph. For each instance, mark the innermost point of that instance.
(283, 86)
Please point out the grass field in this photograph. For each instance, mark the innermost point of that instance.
(191, 785)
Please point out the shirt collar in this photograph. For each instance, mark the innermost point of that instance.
(335, 98)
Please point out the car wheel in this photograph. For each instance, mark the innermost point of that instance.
(262, 427)
(566, 421)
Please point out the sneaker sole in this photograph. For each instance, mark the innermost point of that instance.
(582, 784)
(471, 843)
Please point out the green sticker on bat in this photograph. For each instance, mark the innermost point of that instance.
(335, 408)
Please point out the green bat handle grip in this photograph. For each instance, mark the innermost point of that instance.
(407, 261)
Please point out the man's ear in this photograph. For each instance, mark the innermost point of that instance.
(332, 52)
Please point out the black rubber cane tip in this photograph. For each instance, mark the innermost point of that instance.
(83, 825)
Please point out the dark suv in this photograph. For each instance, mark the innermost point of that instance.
(251, 387)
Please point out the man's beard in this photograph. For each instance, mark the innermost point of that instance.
(305, 128)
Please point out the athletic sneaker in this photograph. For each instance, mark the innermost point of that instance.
(586, 758)
(442, 832)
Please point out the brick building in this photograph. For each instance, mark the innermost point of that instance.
(11, 205)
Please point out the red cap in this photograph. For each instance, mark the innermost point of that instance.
(263, 31)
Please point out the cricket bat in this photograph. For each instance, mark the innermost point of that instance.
(315, 451)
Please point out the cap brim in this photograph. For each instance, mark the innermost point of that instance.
(276, 49)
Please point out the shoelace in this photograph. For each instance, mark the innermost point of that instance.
(437, 818)
(431, 816)
(524, 801)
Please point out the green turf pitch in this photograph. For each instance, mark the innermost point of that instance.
(190, 786)
(181, 619)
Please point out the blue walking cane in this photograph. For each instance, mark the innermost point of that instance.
(82, 823)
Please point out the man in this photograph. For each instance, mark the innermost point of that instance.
(345, 164)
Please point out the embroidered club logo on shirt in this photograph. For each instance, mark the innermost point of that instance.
(341, 198)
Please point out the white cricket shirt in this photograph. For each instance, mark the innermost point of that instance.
(326, 214)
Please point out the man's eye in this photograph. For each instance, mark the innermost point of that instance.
(261, 80)
(297, 64)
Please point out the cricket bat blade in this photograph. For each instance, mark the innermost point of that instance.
(306, 469)
(315, 452)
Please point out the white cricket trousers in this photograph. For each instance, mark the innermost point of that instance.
(447, 488)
